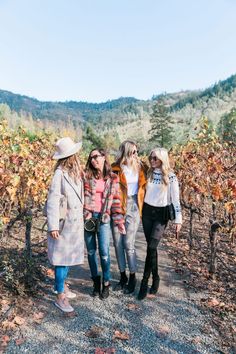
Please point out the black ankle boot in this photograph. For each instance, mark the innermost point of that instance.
(122, 282)
(143, 290)
(105, 291)
(96, 286)
(155, 285)
(131, 284)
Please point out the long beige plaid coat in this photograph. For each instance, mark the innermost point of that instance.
(68, 250)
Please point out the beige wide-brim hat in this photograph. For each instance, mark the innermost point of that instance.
(65, 147)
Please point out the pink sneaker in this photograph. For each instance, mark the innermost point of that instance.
(63, 305)
(69, 294)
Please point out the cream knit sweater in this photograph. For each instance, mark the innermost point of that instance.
(159, 195)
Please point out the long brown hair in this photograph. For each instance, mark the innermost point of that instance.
(91, 171)
(71, 164)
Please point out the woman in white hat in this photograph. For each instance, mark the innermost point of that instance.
(65, 218)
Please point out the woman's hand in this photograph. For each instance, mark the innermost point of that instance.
(54, 234)
(177, 228)
(121, 228)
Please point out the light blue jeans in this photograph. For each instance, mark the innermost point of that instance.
(103, 240)
(125, 244)
(61, 273)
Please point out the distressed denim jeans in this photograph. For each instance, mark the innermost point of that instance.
(103, 240)
(125, 244)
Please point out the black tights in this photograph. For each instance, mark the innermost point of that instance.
(153, 231)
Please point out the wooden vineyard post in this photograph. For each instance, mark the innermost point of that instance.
(214, 241)
(28, 218)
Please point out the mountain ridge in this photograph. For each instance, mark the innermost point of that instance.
(125, 115)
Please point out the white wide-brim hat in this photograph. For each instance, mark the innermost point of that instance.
(65, 147)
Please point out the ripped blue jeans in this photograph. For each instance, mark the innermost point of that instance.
(125, 244)
(103, 240)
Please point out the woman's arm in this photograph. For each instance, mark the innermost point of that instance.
(53, 202)
(116, 209)
(175, 198)
(87, 198)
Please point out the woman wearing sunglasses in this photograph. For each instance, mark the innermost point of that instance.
(132, 176)
(101, 202)
(161, 190)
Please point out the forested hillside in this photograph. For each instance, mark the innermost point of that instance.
(125, 116)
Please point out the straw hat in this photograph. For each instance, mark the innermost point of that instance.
(65, 147)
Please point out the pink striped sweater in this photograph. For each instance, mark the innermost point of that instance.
(111, 196)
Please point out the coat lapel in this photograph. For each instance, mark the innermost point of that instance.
(77, 187)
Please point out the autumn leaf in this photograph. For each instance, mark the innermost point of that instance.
(50, 273)
(72, 314)
(196, 340)
(5, 305)
(8, 325)
(120, 335)
(5, 339)
(213, 302)
(94, 332)
(19, 320)
(132, 306)
(5, 220)
(222, 304)
(20, 341)
(230, 206)
(162, 331)
(38, 316)
(217, 192)
(3, 343)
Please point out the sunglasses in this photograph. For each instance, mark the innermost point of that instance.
(154, 158)
(94, 157)
(135, 152)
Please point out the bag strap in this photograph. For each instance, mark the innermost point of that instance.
(73, 188)
(105, 202)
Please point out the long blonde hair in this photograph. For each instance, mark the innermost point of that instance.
(125, 155)
(161, 154)
(71, 165)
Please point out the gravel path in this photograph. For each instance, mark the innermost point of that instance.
(167, 323)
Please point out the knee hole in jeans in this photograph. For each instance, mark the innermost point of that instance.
(131, 251)
(91, 252)
(105, 258)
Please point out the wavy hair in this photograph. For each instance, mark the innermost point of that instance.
(91, 171)
(125, 155)
(71, 165)
(161, 154)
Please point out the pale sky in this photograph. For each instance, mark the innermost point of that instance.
(104, 49)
